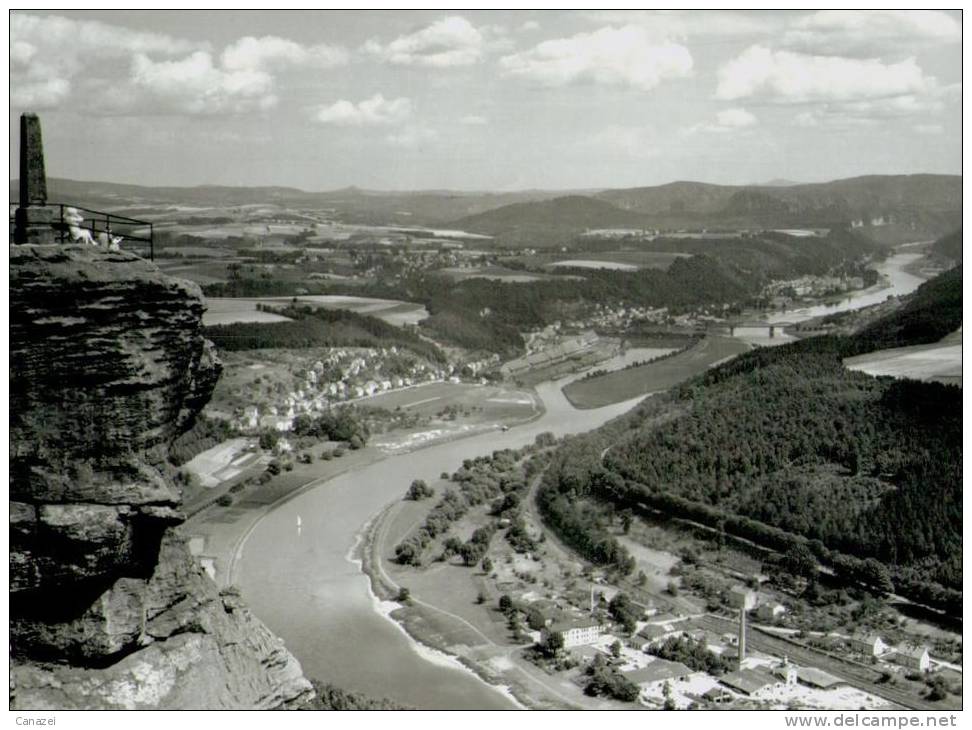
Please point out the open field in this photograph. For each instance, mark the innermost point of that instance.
(624, 384)
(391, 311)
(941, 361)
(592, 264)
(495, 273)
(228, 311)
(620, 260)
(223, 461)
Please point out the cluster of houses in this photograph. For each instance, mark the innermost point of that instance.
(345, 374)
(754, 679)
(780, 293)
(559, 350)
(869, 646)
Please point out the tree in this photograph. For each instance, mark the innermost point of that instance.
(418, 490)
(487, 565)
(616, 649)
(404, 595)
(506, 604)
(480, 598)
(627, 518)
(552, 643)
(799, 561)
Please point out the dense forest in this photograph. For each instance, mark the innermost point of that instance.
(949, 247)
(785, 446)
(317, 327)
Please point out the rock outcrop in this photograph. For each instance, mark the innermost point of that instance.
(108, 366)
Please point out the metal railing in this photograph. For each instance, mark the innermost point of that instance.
(99, 227)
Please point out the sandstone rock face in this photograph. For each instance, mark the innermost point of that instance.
(108, 366)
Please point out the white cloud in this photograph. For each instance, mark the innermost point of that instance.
(683, 24)
(452, 41)
(735, 118)
(727, 120)
(787, 77)
(929, 129)
(194, 85)
(870, 33)
(37, 95)
(528, 26)
(271, 52)
(375, 111)
(65, 42)
(624, 56)
(412, 138)
(473, 120)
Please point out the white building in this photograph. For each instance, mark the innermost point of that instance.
(576, 632)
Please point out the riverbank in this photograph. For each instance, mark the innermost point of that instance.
(415, 618)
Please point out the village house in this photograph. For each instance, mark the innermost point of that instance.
(770, 611)
(656, 672)
(868, 644)
(913, 657)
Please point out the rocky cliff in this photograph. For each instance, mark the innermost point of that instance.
(107, 608)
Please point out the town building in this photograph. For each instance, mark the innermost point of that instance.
(577, 631)
(913, 657)
(750, 681)
(868, 644)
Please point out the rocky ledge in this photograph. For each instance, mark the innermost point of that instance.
(108, 366)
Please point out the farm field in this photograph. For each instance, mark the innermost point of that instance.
(940, 361)
(605, 259)
(496, 273)
(390, 310)
(593, 264)
(621, 385)
(229, 311)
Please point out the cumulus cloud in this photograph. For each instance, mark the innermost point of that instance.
(103, 69)
(194, 85)
(451, 41)
(625, 56)
(787, 77)
(727, 120)
(870, 33)
(271, 52)
(473, 120)
(40, 94)
(529, 26)
(67, 43)
(376, 111)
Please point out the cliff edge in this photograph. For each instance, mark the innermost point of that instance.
(108, 366)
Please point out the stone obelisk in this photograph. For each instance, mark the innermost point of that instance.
(33, 222)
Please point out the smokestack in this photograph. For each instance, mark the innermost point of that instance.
(742, 635)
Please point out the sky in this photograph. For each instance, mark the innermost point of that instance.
(487, 100)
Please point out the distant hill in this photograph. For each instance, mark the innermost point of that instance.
(571, 212)
(349, 204)
(926, 202)
(901, 207)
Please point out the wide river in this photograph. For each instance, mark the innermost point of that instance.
(306, 588)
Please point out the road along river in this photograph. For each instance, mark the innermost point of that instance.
(303, 584)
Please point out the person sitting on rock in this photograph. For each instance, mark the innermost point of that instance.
(74, 219)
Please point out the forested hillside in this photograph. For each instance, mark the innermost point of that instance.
(317, 327)
(785, 445)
